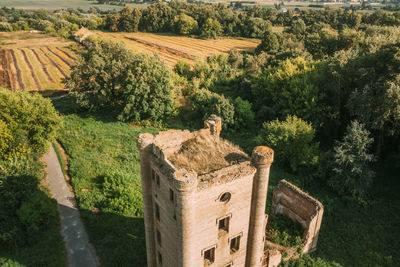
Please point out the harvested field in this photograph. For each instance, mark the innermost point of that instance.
(173, 48)
(34, 62)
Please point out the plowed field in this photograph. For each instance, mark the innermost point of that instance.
(34, 62)
(173, 48)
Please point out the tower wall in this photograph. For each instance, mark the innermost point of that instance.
(262, 158)
(144, 143)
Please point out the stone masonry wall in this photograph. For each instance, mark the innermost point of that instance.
(291, 201)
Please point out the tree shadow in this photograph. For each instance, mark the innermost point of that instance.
(118, 240)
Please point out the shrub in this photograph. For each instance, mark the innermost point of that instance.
(120, 196)
(244, 116)
(351, 171)
(31, 119)
(184, 24)
(205, 103)
(292, 141)
(5, 27)
(136, 86)
(182, 68)
(283, 231)
(211, 28)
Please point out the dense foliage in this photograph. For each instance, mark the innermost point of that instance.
(292, 140)
(351, 171)
(135, 86)
(27, 122)
(28, 216)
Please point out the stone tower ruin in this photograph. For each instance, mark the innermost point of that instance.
(204, 199)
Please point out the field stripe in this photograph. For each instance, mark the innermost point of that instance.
(19, 74)
(12, 74)
(4, 72)
(66, 53)
(53, 63)
(33, 74)
(69, 63)
(44, 67)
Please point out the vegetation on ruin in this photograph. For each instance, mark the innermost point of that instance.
(283, 231)
(204, 153)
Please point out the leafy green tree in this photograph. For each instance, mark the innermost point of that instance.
(289, 89)
(129, 19)
(351, 173)
(136, 86)
(205, 103)
(257, 27)
(211, 28)
(31, 120)
(157, 18)
(182, 68)
(292, 140)
(269, 43)
(235, 58)
(185, 24)
(244, 116)
(298, 28)
(5, 27)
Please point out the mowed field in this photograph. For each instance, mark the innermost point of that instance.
(34, 62)
(174, 48)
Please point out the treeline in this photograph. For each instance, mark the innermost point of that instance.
(28, 215)
(333, 93)
(220, 19)
(59, 22)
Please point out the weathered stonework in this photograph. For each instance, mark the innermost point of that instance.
(291, 201)
(214, 218)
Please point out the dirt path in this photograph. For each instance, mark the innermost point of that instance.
(19, 73)
(33, 74)
(53, 63)
(44, 67)
(80, 252)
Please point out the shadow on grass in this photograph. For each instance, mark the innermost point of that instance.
(118, 240)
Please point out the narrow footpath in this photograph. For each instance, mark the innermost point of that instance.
(80, 252)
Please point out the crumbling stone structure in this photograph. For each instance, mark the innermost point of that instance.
(291, 201)
(204, 199)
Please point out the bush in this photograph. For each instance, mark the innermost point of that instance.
(283, 231)
(182, 68)
(31, 120)
(5, 27)
(205, 103)
(211, 28)
(244, 116)
(351, 171)
(120, 196)
(292, 141)
(135, 86)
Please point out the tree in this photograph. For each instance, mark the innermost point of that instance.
(298, 28)
(30, 119)
(351, 173)
(211, 28)
(129, 19)
(244, 116)
(136, 86)
(205, 103)
(269, 43)
(289, 89)
(292, 141)
(256, 27)
(184, 24)
(182, 68)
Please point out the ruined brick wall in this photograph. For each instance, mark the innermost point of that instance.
(290, 201)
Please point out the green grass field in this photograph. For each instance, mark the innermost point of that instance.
(353, 233)
(54, 4)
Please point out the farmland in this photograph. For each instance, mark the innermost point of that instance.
(172, 48)
(34, 62)
(54, 4)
